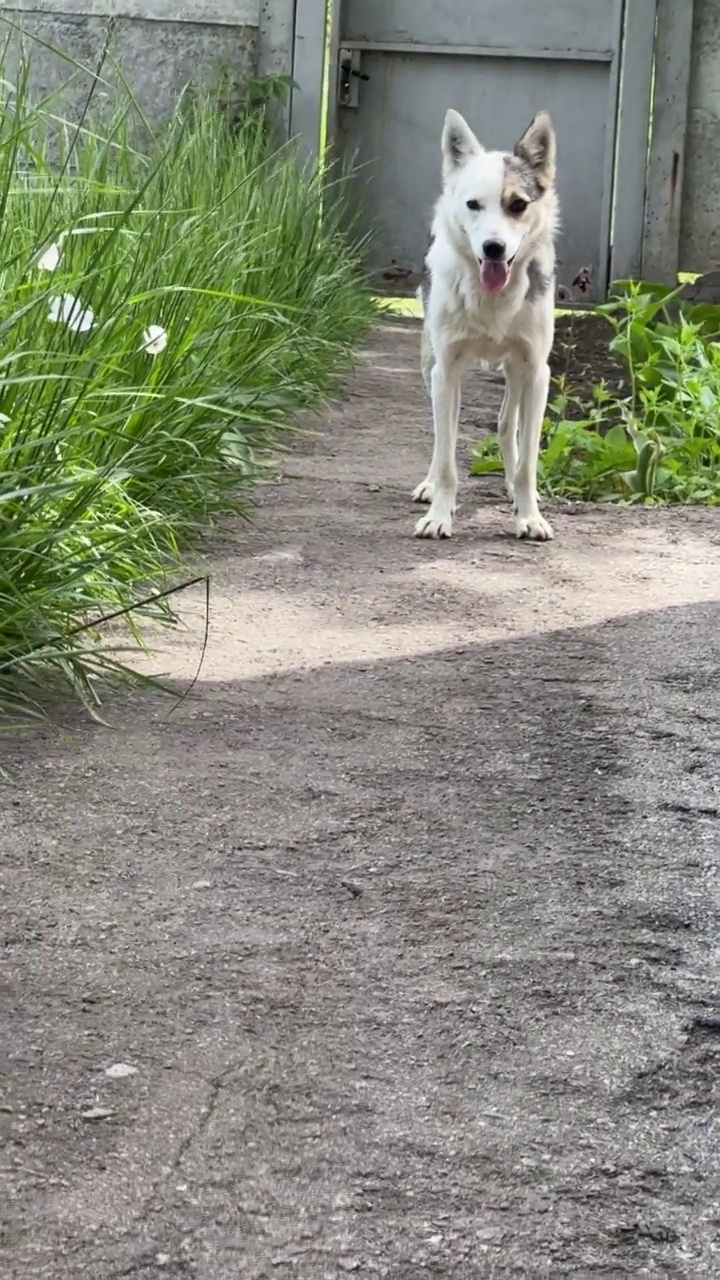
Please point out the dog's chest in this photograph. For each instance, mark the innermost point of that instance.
(488, 329)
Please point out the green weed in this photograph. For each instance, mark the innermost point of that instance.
(660, 444)
(165, 315)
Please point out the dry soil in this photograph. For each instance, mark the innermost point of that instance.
(406, 918)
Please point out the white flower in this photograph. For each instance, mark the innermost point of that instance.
(49, 259)
(70, 311)
(3, 419)
(155, 339)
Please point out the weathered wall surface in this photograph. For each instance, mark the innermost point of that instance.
(700, 222)
(161, 46)
(275, 51)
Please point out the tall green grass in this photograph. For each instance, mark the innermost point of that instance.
(112, 457)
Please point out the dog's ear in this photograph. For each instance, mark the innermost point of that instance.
(538, 148)
(459, 143)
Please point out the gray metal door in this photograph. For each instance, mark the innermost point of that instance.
(401, 63)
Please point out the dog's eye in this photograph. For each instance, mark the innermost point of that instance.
(474, 205)
(517, 206)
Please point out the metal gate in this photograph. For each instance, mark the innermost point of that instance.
(396, 65)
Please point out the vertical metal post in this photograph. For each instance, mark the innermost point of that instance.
(633, 138)
(309, 102)
(673, 56)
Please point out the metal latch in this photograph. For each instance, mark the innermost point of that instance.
(349, 77)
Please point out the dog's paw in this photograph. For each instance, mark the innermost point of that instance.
(430, 526)
(425, 492)
(533, 527)
(510, 491)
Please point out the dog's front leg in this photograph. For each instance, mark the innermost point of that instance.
(441, 484)
(528, 521)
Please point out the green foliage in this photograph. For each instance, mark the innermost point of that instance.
(112, 452)
(255, 100)
(266, 89)
(660, 444)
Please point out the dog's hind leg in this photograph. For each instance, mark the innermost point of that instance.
(425, 491)
(442, 478)
(528, 521)
(508, 425)
(427, 359)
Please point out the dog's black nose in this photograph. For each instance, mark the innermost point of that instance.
(494, 250)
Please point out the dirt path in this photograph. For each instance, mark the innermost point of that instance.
(407, 919)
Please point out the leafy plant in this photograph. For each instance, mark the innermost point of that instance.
(255, 100)
(660, 444)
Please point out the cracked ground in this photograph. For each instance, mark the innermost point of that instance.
(399, 935)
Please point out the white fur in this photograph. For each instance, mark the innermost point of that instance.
(465, 324)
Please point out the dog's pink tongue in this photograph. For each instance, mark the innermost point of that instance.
(494, 275)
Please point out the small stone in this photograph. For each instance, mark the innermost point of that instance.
(352, 887)
(96, 1113)
(162, 1259)
(202, 884)
(119, 1071)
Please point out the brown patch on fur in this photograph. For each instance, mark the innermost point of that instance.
(425, 276)
(538, 281)
(521, 182)
(509, 196)
(536, 150)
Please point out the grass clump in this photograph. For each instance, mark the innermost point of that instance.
(165, 314)
(660, 443)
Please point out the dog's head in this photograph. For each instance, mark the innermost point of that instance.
(497, 199)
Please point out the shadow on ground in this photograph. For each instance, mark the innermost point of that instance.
(416, 960)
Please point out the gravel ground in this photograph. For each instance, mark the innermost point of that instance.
(405, 920)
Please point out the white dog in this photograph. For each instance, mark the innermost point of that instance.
(489, 296)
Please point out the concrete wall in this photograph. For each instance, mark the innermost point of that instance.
(161, 45)
(700, 219)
